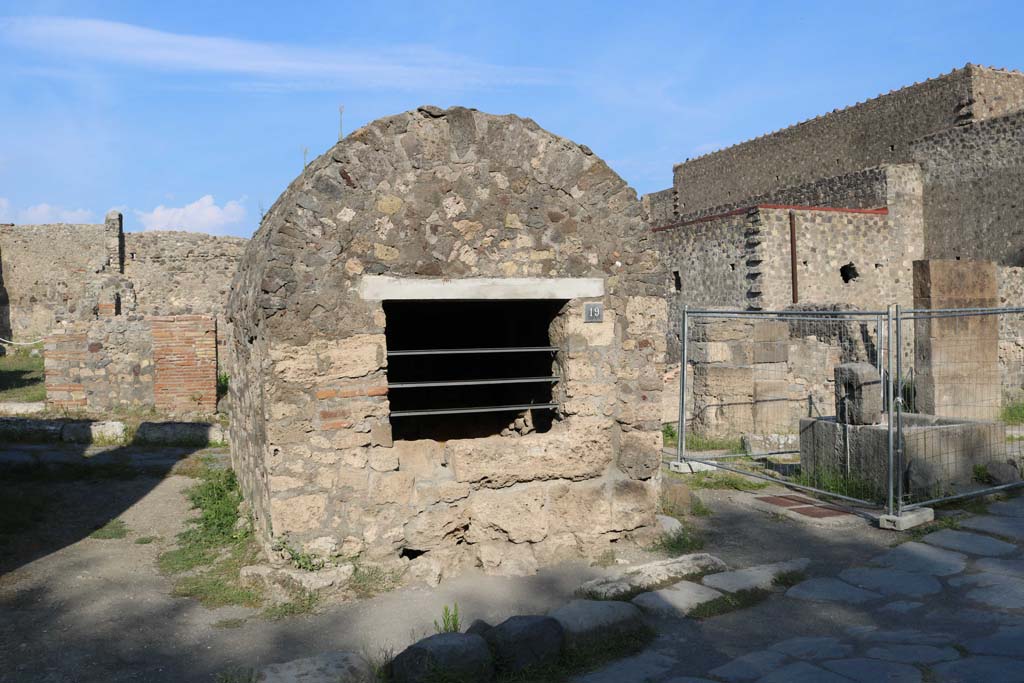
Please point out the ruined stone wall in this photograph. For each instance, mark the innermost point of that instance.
(100, 365)
(1011, 332)
(43, 270)
(826, 242)
(130, 362)
(876, 132)
(973, 178)
(445, 194)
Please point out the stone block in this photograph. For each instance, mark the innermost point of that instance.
(858, 394)
(589, 622)
(770, 352)
(760, 577)
(678, 600)
(643, 577)
(331, 667)
(908, 520)
(522, 642)
(459, 656)
(640, 454)
(953, 279)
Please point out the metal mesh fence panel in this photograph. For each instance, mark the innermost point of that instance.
(760, 396)
(959, 422)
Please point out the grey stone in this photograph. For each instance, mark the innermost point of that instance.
(802, 672)
(521, 642)
(642, 577)
(457, 656)
(178, 433)
(92, 432)
(1009, 527)
(758, 577)
(980, 670)
(586, 621)
(892, 581)
(677, 600)
(995, 590)
(967, 542)
(645, 666)
(668, 525)
(1014, 507)
(478, 627)
(907, 635)
(901, 606)
(874, 671)
(1006, 641)
(858, 394)
(907, 520)
(331, 667)
(922, 558)
(813, 648)
(912, 654)
(830, 590)
(1001, 566)
(750, 666)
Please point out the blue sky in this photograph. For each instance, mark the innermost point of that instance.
(196, 115)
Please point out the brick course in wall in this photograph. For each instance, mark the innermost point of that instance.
(133, 362)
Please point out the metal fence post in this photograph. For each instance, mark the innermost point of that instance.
(684, 326)
(899, 410)
(889, 408)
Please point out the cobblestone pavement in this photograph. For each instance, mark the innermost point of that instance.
(947, 607)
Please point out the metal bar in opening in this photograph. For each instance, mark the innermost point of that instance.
(481, 409)
(891, 421)
(969, 494)
(980, 310)
(443, 352)
(472, 382)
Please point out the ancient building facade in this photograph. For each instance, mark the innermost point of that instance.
(416, 236)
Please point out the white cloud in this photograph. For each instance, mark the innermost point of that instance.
(411, 67)
(5, 207)
(202, 215)
(49, 213)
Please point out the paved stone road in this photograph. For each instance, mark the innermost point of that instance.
(947, 608)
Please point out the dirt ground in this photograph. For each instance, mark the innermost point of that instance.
(77, 608)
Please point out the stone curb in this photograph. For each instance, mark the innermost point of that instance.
(111, 432)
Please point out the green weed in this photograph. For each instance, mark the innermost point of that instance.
(302, 602)
(113, 529)
(697, 443)
(370, 580)
(450, 622)
(21, 377)
(723, 480)
(729, 602)
(789, 579)
(146, 540)
(1013, 413)
(698, 508)
(678, 542)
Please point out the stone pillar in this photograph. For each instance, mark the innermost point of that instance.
(114, 232)
(956, 359)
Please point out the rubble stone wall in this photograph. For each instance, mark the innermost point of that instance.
(872, 133)
(130, 362)
(445, 194)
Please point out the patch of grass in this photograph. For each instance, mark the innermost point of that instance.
(729, 602)
(698, 508)
(212, 546)
(669, 437)
(1013, 413)
(678, 542)
(723, 480)
(696, 442)
(981, 475)
(301, 560)
(223, 380)
(789, 579)
(146, 540)
(113, 529)
(605, 559)
(450, 622)
(21, 377)
(370, 580)
(837, 482)
(302, 602)
(236, 675)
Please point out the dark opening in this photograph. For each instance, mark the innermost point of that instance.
(849, 272)
(678, 280)
(446, 325)
(732, 266)
(411, 553)
(117, 304)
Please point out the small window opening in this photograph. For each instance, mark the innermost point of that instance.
(117, 304)
(677, 280)
(892, 148)
(732, 266)
(877, 266)
(804, 263)
(849, 273)
(469, 369)
(132, 256)
(411, 553)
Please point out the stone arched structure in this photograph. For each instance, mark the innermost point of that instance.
(458, 205)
